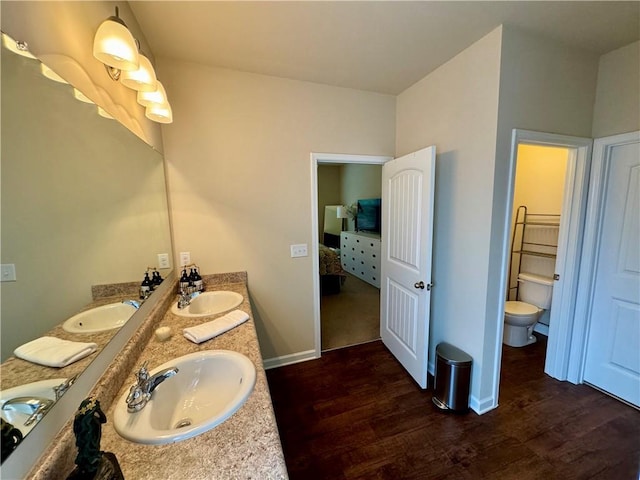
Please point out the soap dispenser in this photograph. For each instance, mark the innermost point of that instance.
(156, 278)
(146, 287)
(197, 281)
(184, 281)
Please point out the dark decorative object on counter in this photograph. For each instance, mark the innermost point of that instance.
(92, 464)
(11, 437)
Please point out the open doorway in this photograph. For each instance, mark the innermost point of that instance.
(555, 220)
(349, 295)
(347, 303)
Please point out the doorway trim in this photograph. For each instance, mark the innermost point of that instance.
(572, 230)
(327, 159)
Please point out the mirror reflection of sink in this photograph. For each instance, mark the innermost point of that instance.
(42, 388)
(98, 319)
(209, 387)
(209, 303)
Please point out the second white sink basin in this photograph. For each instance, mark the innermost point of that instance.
(209, 303)
(209, 387)
(98, 319)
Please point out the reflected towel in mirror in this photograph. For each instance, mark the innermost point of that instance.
(206, 331)
(54, 352)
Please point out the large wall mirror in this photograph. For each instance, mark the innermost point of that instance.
(83, 204)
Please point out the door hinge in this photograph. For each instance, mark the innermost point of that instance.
(556, 276)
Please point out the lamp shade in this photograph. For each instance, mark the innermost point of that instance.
(157, 97)
(114, 45)
(143, 79)
(160, 113)
(341, 212)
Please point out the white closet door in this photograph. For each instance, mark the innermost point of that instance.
(613, 344)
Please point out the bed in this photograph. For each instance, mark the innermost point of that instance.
(331, 273)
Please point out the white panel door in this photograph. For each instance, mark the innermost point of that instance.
(613, 344)
(407, 231)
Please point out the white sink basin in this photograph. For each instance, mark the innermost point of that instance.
(42, 388)
(99, 319)
(209, 303)
(209, 387)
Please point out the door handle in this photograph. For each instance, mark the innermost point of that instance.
(419, 284)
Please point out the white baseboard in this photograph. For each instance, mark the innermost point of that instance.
(289, 359)
(482, 406)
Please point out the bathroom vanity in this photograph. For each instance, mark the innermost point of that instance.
(246, 445)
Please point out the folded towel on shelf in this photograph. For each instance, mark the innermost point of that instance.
(54, 352)
(206, 331)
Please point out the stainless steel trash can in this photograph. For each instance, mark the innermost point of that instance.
(452, 378)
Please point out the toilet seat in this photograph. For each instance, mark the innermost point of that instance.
(520, 308)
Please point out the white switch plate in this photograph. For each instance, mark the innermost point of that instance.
(7, 272)
(299, 250)
(163, 260)
(185, 258)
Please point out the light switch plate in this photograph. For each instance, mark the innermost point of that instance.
(163, 260)
(7, 272)
(299, 250)
(185, 258)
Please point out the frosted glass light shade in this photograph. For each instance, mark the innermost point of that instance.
(114, 45)
(158, 96)
(143, 79)
(103, 113)
(159, 113)
(50, 74)
(81, 96)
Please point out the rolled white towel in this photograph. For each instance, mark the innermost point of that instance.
(206, 331)
(54, 352)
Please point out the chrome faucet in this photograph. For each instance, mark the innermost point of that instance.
(140, 392)
(36, 407)
(63, 387)
(184, 299)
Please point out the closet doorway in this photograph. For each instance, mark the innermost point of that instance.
(346, 304)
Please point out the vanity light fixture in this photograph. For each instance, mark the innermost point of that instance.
(115, 47)
(16, 46)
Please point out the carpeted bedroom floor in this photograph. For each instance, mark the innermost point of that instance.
(351, 316)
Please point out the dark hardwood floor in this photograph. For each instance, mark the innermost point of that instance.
(356, 414)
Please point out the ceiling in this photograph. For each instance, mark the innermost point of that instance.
(380, 46)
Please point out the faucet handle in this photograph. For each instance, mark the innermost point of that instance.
(142, 375)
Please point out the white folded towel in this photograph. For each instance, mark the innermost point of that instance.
(206, 331)
(54, 352)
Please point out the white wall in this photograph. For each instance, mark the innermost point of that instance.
(239, 174)
(617, 107)
(456, 108)
(61, 34)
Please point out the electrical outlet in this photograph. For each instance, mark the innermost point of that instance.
(163, 260)
(8, 272)
(299, 250)
(185, 258)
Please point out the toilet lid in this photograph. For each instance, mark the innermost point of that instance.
(520, 308)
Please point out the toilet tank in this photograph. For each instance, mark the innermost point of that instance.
(535, 289)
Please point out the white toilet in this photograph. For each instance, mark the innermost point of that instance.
(535, 292)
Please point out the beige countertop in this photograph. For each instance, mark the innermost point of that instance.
(246, 446)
